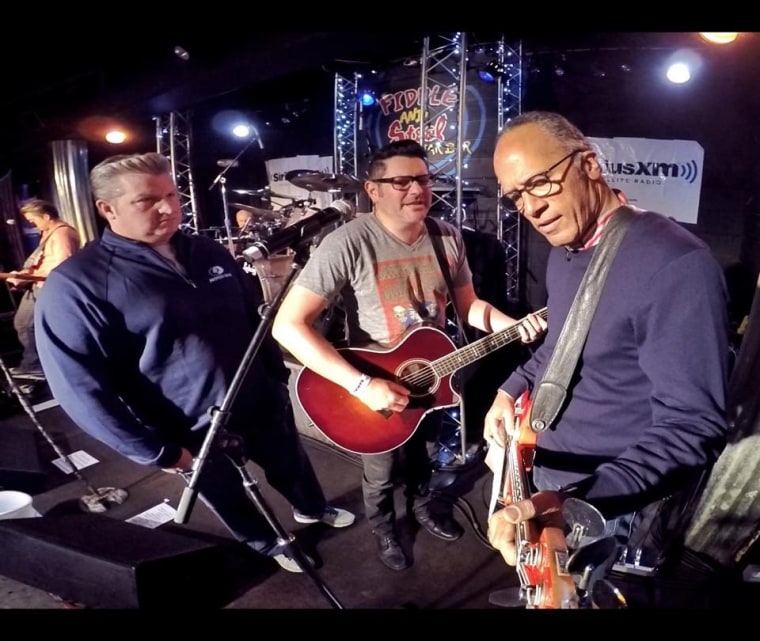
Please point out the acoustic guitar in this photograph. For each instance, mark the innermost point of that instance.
(423, 360)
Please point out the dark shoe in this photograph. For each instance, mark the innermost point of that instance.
(444, 527)
(390, 553)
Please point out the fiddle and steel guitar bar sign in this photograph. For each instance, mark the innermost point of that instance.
(659, 175)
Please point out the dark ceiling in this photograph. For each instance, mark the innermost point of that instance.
(74, 73)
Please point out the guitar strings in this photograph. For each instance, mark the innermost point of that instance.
(425, 376)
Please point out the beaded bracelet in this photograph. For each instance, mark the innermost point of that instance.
(361, 385)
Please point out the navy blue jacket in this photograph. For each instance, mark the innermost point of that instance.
(648, 407)
(138, 354)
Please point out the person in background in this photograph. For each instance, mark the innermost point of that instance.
(140, 337)
(384, 268)
(645, 416)
(58, 241)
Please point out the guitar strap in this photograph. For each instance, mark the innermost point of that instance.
(434, 231)
(549, 396)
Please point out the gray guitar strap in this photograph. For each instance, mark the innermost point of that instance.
(549, 397)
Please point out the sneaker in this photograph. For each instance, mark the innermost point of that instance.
(332, 516)
(289, 563)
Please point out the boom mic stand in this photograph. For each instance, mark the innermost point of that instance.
(231, 444)
(223, 190)
(98, 500)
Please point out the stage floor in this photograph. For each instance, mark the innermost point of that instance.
(218, 573)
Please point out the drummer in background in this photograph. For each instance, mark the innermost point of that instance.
(245, 230)
(244, 220)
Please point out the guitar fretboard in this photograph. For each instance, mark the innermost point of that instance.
(448, 364)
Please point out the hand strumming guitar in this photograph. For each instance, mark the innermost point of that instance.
(499, 421)
(381, 394)
(545, 506)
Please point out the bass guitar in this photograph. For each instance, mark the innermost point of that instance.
(542, 553)
(423, 361)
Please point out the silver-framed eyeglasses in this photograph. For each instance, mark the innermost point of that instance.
(403, 183)
(540, 185)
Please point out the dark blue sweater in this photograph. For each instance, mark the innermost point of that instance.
(137, 354)
(648, 405)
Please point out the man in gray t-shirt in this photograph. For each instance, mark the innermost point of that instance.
(384, 269)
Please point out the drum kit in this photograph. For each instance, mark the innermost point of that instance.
(259, 223)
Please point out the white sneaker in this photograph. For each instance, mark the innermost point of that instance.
(290, 564)
(332, 516)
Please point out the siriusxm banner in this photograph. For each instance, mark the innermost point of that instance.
(661, 175)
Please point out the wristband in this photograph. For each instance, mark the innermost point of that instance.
(361, 385)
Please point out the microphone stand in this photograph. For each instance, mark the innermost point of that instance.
(96, 500)
(223, 190)
(232, 446)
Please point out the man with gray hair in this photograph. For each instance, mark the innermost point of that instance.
(142, 335)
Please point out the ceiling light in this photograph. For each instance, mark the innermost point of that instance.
(720, 38)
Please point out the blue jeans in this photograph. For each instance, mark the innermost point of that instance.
(23, 323)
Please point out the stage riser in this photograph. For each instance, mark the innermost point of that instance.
(101, 562)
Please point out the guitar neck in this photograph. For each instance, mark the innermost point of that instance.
(29, 277)
(480, 348)
(541, 550)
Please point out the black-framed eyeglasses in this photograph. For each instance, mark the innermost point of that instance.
(402, 183)
(540, 185)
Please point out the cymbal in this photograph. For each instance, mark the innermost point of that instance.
(316, 181)
(265, 193)
(252, 192)
(264, 214)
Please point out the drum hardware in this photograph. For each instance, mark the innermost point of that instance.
(316, 181)
(251, 192)
(221, 180)
(265, 193)
(264, 214)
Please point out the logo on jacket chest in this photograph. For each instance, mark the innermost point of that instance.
(217, 272)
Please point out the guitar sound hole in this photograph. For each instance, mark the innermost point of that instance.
(418, 377)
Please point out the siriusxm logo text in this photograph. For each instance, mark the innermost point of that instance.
(687, 171)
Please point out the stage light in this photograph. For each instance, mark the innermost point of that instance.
(116, 136)
(721, 38)
(241, 130)
(683, 65)
(490, 72)
(678, 73)
(181, 53)
(367, 99)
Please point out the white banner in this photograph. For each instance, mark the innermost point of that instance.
(278, 168)
(661, 175)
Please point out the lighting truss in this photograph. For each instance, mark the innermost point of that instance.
(509, 92)
(345, 135)
(173, 140)
(443, 63)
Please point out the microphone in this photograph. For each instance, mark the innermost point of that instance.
(302, 231)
